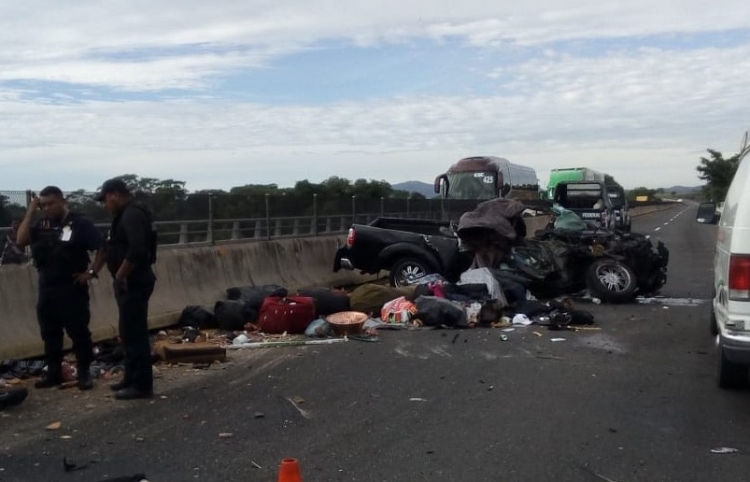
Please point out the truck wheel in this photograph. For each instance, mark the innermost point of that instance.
(729, 375)
(405, 271)
(611, 281)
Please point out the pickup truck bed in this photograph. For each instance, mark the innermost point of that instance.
(408, 248)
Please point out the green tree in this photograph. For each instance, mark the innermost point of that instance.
(610, 181)
(718, 174)
(9, 211)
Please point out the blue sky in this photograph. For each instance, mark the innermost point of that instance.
(254, 92)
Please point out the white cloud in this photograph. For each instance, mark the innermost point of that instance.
(643, 115)
(83, 35)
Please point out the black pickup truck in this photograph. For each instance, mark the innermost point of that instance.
(408, 248)
(560, 259)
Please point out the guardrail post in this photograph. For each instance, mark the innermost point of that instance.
(329, 223)
(183, 234)
(343, 225)
(258, 231)
(268, 216)
(315, 215)
(210, 231)
(277, 228)
(295, 227)
(236, 230)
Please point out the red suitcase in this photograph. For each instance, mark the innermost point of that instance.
(292, 314)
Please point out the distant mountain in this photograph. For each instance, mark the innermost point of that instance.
(423, 188)
(683, 189)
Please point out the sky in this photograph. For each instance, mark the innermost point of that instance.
(223, 94)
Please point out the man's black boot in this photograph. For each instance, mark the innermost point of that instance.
(52, 378)
(132, 393)
(84, 379)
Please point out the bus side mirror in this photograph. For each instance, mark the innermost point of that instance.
(505, 190)
(439, 182)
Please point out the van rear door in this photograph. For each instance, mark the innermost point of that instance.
(588, 200)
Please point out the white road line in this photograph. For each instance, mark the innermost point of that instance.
(658, 229)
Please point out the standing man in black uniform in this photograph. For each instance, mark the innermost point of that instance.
(131, 250)
(60, 245)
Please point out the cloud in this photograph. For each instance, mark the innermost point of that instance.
(565, 96)
(162, 44)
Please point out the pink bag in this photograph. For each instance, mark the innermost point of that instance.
(399, 310)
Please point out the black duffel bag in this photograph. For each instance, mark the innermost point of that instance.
(254, 295)
(327, 302)
(233, 315)
(198, 317)
(435, 311)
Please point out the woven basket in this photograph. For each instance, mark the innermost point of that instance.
(347, 322)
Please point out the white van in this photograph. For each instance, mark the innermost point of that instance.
(730, 320)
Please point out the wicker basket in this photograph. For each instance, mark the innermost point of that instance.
(347, 322)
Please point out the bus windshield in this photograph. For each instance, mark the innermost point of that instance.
(472, 185)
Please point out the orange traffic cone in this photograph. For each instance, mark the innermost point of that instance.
(289, 471)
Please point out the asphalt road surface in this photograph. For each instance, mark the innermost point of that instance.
(635, 401)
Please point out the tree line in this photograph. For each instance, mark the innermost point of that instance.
(170, 200)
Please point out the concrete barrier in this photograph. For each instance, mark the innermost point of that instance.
(186, 276)
(190, 276)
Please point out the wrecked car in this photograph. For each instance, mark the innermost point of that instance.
(568, 256)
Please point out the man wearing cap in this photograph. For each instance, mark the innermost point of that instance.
(60, 245)
(131, 250)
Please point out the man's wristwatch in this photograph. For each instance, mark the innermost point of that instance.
(92, 273)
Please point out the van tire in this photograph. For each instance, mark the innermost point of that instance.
(611, 281)
(714, 327)
(730, 375)
(402, 267)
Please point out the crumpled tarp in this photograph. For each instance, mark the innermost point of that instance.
(491, 229)
(499, 215)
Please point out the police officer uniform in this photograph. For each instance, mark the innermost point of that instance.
(60, 250)
(132, 237)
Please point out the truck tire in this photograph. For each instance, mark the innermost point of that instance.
(405, 271)
(728, 374)
(611, 281)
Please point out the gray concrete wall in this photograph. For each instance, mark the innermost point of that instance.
(186, 276)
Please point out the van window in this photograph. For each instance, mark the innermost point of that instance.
(580, 196)
(617, 198)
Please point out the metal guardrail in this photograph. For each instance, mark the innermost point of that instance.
(212, 231)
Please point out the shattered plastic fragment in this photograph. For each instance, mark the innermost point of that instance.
(54, 426)
(724, 450)
(522, 320)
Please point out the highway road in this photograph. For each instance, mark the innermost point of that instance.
(634, 401)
